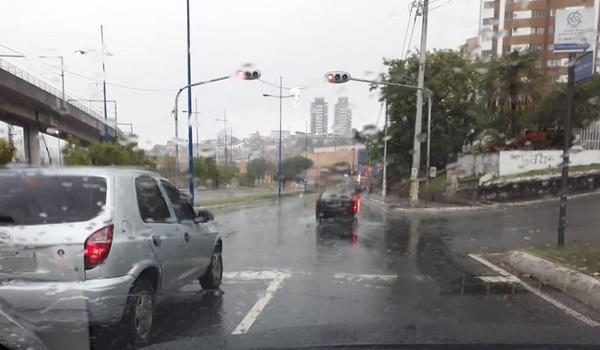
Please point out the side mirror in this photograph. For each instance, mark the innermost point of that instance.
(203, 216)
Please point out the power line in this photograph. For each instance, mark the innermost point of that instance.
(406, 32)
(13, 50)
(411, 33)
(277, 86)
(444, 4)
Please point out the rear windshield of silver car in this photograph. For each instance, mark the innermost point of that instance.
(335, 196)
(49, 199)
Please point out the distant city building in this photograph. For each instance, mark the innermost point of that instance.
(318, 116)
(285, 134)
(342, 118)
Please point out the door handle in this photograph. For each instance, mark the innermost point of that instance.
(186, 236)
(156, 240)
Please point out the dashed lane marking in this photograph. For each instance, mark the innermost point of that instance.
(276, 280)
(588, 321)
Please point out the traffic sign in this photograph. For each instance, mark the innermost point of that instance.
(584, 67)
(574, 30)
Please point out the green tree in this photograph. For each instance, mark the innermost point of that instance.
(258, 168)
(7, 152)
(514, 86)
(105, 154)
(205, 168)
(456, 82)
(292, 167)
(226, 172)
(586, 105)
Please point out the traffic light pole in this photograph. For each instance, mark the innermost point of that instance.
(413, 190)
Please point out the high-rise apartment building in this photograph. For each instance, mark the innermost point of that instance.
(318, 116)
(342, 118)
(508, 25)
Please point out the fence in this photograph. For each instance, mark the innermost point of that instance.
(19, 73)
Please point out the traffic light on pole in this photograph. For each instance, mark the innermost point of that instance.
(252, 74)
(338, 77)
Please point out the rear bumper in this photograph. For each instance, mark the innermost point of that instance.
(46, 303)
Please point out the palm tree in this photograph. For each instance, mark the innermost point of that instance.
(516, 86)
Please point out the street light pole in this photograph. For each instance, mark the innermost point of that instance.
(416, 157)
(62, 77)
(280, 97)
(429, 93)
(189, 82)
(176, 116)
(385, 141)
(280, 175)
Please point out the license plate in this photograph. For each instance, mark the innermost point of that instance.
(17, 263)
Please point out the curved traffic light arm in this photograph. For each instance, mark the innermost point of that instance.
(339, 77)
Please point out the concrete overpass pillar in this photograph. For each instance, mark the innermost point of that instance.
(31, 135)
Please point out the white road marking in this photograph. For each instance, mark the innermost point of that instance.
(588, 321)
(362, 277)
(497, 279)
(276, 278)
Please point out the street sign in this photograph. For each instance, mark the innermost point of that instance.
(574, 30)
(584, 67)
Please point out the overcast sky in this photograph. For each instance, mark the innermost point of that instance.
(299, 40)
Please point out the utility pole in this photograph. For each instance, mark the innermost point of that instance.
(416, 159)
(189, 108)
(385, 141)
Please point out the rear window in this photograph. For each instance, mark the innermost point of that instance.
(41, 199)
(335, 195)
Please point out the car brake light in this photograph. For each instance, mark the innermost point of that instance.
(355, 206)
(97, 246)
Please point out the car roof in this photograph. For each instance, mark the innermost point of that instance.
(82, 171)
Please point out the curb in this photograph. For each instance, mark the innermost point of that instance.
(578, 285)
(431, 210)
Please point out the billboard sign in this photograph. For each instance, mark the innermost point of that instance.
(574, 30)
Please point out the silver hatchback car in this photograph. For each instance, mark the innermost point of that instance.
(99, 245)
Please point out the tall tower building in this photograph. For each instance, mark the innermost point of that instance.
(318, 116)
(342, 118)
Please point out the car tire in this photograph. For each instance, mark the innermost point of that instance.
(214, 273)
(139, 312)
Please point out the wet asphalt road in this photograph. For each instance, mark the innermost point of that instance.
(385, 279)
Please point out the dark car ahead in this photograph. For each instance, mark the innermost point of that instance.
(336, 204)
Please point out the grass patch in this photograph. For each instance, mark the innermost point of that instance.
(437, 184)
(581, 257)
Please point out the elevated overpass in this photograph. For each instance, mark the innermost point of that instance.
(37, 106)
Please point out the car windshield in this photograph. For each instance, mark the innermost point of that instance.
(274, 174)
(40, 199)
